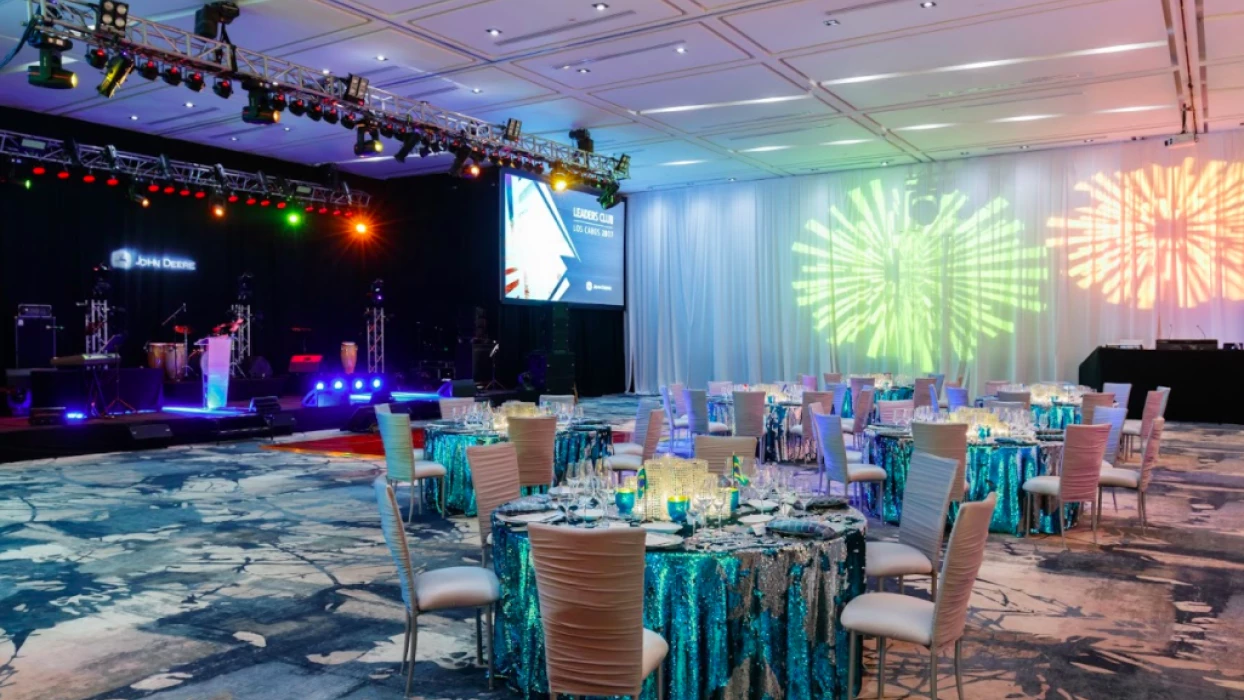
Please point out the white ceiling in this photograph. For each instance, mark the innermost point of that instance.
(762, 88)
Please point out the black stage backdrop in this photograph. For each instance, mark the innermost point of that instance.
(436, 243)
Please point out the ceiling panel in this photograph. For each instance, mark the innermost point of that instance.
(554, 115)
(405, 58)
(262, 26)
(1224, 25)
(470, 91)
(1226, 94)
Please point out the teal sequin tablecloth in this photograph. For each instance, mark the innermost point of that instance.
(756, 622)
(1056, 415)
(447, 445)
(990, 467)
(778, 420)
(894, 393)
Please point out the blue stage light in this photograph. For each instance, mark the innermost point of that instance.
(338, 384)
(319, 386)
(358, 384)
(75, 415)
(377, 383)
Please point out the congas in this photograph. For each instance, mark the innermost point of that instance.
(174, 361)
(160, 354)
(349, 357)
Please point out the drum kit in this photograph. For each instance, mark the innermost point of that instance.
(177, 361)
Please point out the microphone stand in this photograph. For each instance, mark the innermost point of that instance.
(185, 337)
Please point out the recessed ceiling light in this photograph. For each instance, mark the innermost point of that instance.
(832, 23)
(585, 70)
(884, 163)
(963, 153)
(382, 57)
(326, 71)
(189, 105)
(927, 4)
(133, 117)
(681, 49)
(493, 32)
(1024, 148)
(1089, 140)
(476, 90)
(566, 67)
(233, 138)
(600, 6)
(730, 180)
(287, 128)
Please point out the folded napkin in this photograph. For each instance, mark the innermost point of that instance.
(818, 503)
(813, 529)
(527, 504)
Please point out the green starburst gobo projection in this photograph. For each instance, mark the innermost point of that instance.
(903, 270)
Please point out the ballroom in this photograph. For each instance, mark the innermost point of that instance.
(661, 349)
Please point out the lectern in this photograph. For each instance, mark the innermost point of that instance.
(215, 364)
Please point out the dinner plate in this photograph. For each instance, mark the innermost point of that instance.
(755, 519)
(592, 514)
(667, 528)
(547, 516)
(763, 506)
(661, 540)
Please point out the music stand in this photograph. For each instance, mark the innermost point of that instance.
(113, 347)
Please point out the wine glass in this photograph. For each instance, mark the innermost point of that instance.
(701, 499)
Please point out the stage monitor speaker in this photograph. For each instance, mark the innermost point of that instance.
(151, 434)
(305, 364)
(363, 421)
(281, 423)
(265, 405)
(256, 367)
(457, 388)
(51, 415)
(35, 340)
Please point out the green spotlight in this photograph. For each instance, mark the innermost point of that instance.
(27, 184)
(294, 218)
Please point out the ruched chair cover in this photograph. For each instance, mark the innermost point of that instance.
(1020, 397)
(436, 589)
(1137, 480)
(857, 385)
(1155, 407)
(749, 414)
(494, 473)
(831, 378)
(402, 461)
(888, 411)
(1084, 448)
(591, 589)
(939, 381)
(1091, 401)
(932, 624)
(835, 464)
(922, 397)
(804, 428)
(630, 462)
(1112, 416)
(533, 439)
(680, 404)
(956, 397)
(840, 391)
(949, 440)
(720, 388)
(1122, 392)
(809, 382)
(697, 414)
(643, 411)
(926, 498)
(387, 409)
(717, 451)
(863, 410)
(449, 404)
(993, 386)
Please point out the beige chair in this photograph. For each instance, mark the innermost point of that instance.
(1155, 407)
(400, 462)
(926, 392)
(534, 441)
(803, 429)
(1138, 481)
(835, 465)
(591, 589)
(993, 386)
(1112, 416)
(387, 409)
(750, 414)
(931, 624)
(448, 405)
(551, 399)
(629, 462)
(862, 409)
(697, 414)
(809, 382)
(635, 446)
(831, 378)
(677, 422)
(720, 388)
(1091, 401)
(1084, 448)
(718, 451)
(494, 473)
(857, 385)
(949, 440)
(839, 391)
(436, 589)
(926, 498)
(1020, 397)
(956, 397)
(887, 411)
(680, 406)
(1122, 392)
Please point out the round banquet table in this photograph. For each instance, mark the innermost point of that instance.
(777, 423)
(991, 465)
(747, 617)
(447, 445)
(1055, 415)
(894, 393)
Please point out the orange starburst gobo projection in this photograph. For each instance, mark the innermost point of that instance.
(1159, 234)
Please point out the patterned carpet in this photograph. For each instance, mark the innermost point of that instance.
(229, 572)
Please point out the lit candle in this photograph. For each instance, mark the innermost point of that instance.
(677, 506)
(624, 498)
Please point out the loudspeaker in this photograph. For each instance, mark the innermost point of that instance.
(265, 405)
(257, 367)
(35, 341)
(363, 421)
(305, 364)
(281, 423)
(48, 416)
(151, 434)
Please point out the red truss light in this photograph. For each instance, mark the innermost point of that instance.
(280, 205)
(39, 170)
(88, 178)
(112, 181)
(250, 201)
(153, 187)
(185, 192)
(264, 203)
(200, 194)
(233, 198)
(64, 175)
(323, 210)
(169, 189)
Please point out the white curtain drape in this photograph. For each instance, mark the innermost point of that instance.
(1006, 267)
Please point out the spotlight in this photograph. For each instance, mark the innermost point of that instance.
(50, 73)
(119, 68)
(472, 170)
(377, 383)
(200, 194)
(408, 145)
(149, 69)
(387, 130)
(608, 198)
(455, 170)
(331, 115)
(358, 385)
(184, 191)
(259, 110)
(153, 187)
(63, 174)
(293, 218)
(195, 81)
(338, 385)
(138, 198)
(169, 189)
(96, 58)
(281, 204)
(172, 75)
(361, 228)
(89, 177)
(223, 87)
(250, 201)
(279, 101)
(218, 211)
(559, 178)
(112, 16)
(316, 112)
(38, 170)
(365, 146)
(375, 294)
(319, 386)
(233, 198)
(350, 120)
(298, 107)
(112, 181)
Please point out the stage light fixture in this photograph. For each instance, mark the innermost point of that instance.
(195, 81)
(200, 194)
(472, 170)
(356, 89)
(365, 146)
(112, 16)
(279, 101)
(358, 384)
(38, 170)
(338, 385)
(63, 174)
(319, 386)
(153, 187)
(608, 198)
(362, 229)
(50, 72)
(149, 69)
(331, 115)
(184, 191)
(336, 212)
(250, 201)
(559, 179)
(265, 202)
(138, 197)
(96, 57)
(218, 211)
(118, 69)
(223, 87)
(172, 75)
(281, 204)
(377, 382)
(316, 112)
(259, 109)
(387, 131)
(350, 120)
(89, 177)
(408, 145)
(460, 158)
(169, 189)
(322, 210)
(232, 198)
(112, 181)
(298, 107)
(293, 218)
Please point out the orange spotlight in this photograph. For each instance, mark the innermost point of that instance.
(218, 211)
(361, 228)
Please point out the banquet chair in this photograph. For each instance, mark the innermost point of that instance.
(1155, 407)
(750, 414)
(720, 388)
(863, 411)
(547, 399)
(449, 404)
(831, 378)
(994, 406)
(926, 498)
(931, 624)
(697, 415)
(1138, 481)
(629, 462)
(1122, 392)
(857, 385)
(887, 411)
(435, 589)
(921, 395)
(835, 465)
(718, 451)
(591, 590)
(494, 472)
(1021, 397)
(956, 397)
(1090, 402)
(803, 429)
(387, 409)
(840, 391)
(638, 434)
(1112, 416)
(939, 382)
(1084, 447)
(680, 406)
(809, 382)
(534, 439)
(949, 440)
(677, 422)
(401, 464)
(993, 386)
